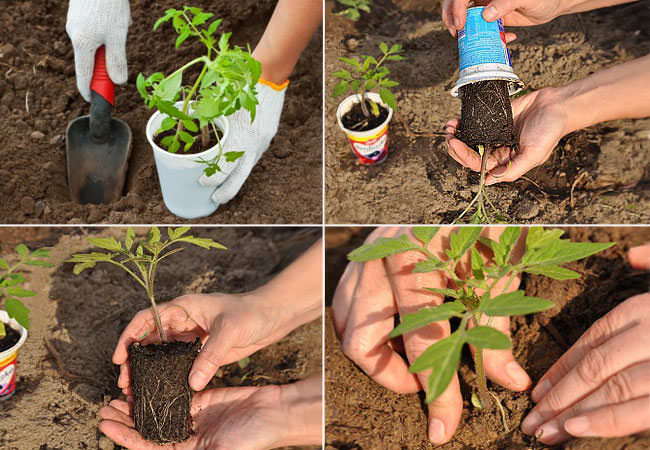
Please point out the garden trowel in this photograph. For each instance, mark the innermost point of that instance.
(98, 146)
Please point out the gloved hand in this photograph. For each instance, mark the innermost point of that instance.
(91, 24)
(252, 138)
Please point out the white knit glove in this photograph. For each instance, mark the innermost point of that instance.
(91, 24)
(252, 138)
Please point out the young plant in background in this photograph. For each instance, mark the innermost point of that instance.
(225, 84)
(12, 284)
(544, 253)
(141, 259)
(366, 75)
(354, 8)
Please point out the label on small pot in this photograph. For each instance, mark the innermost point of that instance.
(7, 376)
(371, 150)
(481, 42)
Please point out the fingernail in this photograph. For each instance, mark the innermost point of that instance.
(198, 380)
(531, 423)
(457, 22)
(489, 13)
(548, 431)
(437, 431)
(517, 375)
(540, 390)
(577, 426)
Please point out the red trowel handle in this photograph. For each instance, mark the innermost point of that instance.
(102, 83)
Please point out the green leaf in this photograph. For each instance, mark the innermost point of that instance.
(431, 264)
(154, 235)
(17, 310)
(396, 48)
(382, 248)
(425, 234)
(425, 316)
(130, 237)
(553, 271)
(354, 62)
(487, 337)
(461, 241)
(168, 89)
(186, 137)
(22, 250)
(106, 243)
(478, 266)
(563, 251)
(507, 241)
(443, 357)
(141, 86)
(167, 124)
(3, 264)
(513, 304)
(538, 237)
(174, 234)
(340, 88)
(191, 125)
(80, 267)
(343, 74)
(41, 253)
(202, 242)
(233, 156)
(19, 291)
(182, 37)
(171, 110)
(445, 292)
(388, 98)
(395, 58)
(214, 25)
(383, 47)
(38, 263)
(388, 83)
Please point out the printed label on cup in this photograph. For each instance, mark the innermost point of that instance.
(8, 379)
(371, 151)
(482, 42)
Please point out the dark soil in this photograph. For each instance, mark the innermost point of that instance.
(161, 393)
(486, 116)
(57, 398)
(353, 118)
(38, 98)
(361, 414)
(196, 148)
(597, 175)
(11, 338)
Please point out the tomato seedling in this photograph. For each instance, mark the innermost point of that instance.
(226, 83)
(366, 75)
(141, 259)
(354, 8)
(545, 251)
(12, 284)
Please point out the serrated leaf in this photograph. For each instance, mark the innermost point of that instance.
(167, 124)
(130, 238)
(340, 88)
(443, 357)
(383, 47)
(462, 240)
(19, 291)
(431, 264)
(202, 242)
(478, 266)
(168, 89)
(539, 237)
(233, 156)
(17, 310)
(425, 316)
(22, 250)
(388, 98)
(487, 337)
(214, 25)
(563, 251)
(506, 243)
(106, 243)
(182, 37)
(555, 272)
(425, 234)
(513, 304)
(174, 234)
(154, 235)
(382, 248)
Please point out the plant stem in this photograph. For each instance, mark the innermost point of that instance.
(3, 331)
(205, 136)
(154, 307)
(186, 103)
(480, 378)
(364, 108)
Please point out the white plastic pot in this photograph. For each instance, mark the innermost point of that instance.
(371, 147)
(179, 173)
(8, 358)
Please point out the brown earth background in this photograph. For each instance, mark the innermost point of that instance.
(82, 317)
(39, 99)
(362, 415)
(608, 165)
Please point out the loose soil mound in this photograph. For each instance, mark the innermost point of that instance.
(81, 317)
(607, 167)
(39, 98)
(361, 414)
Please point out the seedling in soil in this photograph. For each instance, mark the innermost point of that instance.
(226, 83)
(354, 8)
(364, 76)
(159, 372)
(12, 284)
(486, 124)
(544, 253)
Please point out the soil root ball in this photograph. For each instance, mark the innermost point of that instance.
(161, 392)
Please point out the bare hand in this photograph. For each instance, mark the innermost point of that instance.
(540, 122)
(366, 300)
(601, 386)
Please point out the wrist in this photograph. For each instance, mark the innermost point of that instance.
(580, 105)
(301, 412)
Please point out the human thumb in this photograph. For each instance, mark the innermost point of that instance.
(498, 9)
(210, 358)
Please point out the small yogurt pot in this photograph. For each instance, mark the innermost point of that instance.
(371, 147)
(483, 53)
(179, 173)
(8, 358)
